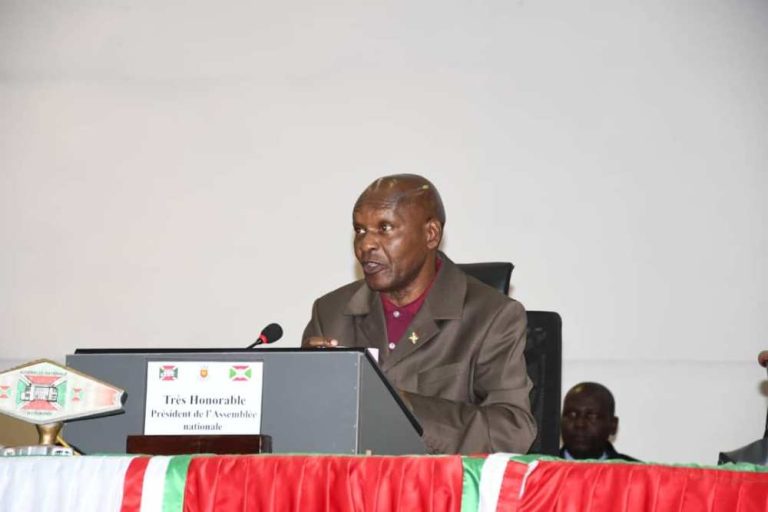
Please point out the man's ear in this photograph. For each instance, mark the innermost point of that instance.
(614, 425)
(434, 231)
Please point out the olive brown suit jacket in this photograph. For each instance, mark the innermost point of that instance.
(460, 362)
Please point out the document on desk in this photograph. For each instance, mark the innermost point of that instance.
(374, 353)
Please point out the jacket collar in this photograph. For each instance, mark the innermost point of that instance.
(445, 301)
(608, 454)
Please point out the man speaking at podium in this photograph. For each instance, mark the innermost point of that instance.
(451, 346)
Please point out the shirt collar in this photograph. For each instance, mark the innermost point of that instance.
(567, 456)
(446, 301)
(412, 307)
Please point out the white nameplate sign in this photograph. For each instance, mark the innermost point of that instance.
(203, 397)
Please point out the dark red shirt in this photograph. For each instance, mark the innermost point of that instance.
(398, 318)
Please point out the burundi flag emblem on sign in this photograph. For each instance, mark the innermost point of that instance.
(239, 372)
(169, 372)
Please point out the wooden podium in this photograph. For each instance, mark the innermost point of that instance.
(178, 445)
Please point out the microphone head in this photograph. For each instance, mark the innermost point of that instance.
(271, 333)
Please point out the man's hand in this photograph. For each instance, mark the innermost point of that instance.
(320, 342)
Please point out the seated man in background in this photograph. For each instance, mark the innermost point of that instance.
(755, 452)
(588, 422)
(451, 346)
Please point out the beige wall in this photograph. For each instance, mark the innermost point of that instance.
(181, 174)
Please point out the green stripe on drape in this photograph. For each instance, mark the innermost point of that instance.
(175, 481)
(470, 490)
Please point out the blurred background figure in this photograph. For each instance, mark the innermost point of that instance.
(588, 423)
(757, 451)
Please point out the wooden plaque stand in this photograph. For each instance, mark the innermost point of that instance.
(179, 445)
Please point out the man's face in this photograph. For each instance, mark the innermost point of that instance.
(586, 424)
(392, 243)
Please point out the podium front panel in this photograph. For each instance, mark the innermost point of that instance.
(311, 400)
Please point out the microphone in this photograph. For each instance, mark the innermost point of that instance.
(269, 334)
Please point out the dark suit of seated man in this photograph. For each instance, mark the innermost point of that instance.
(588, 422)
(451, 346)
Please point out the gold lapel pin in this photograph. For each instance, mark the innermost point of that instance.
(413, 337)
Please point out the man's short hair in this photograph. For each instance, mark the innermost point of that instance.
(409, 188)
(598, 390)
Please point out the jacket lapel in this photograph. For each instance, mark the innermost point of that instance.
(370, 327)
(445, 301)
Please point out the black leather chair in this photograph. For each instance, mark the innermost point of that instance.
(543, 357)
(495, 274)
